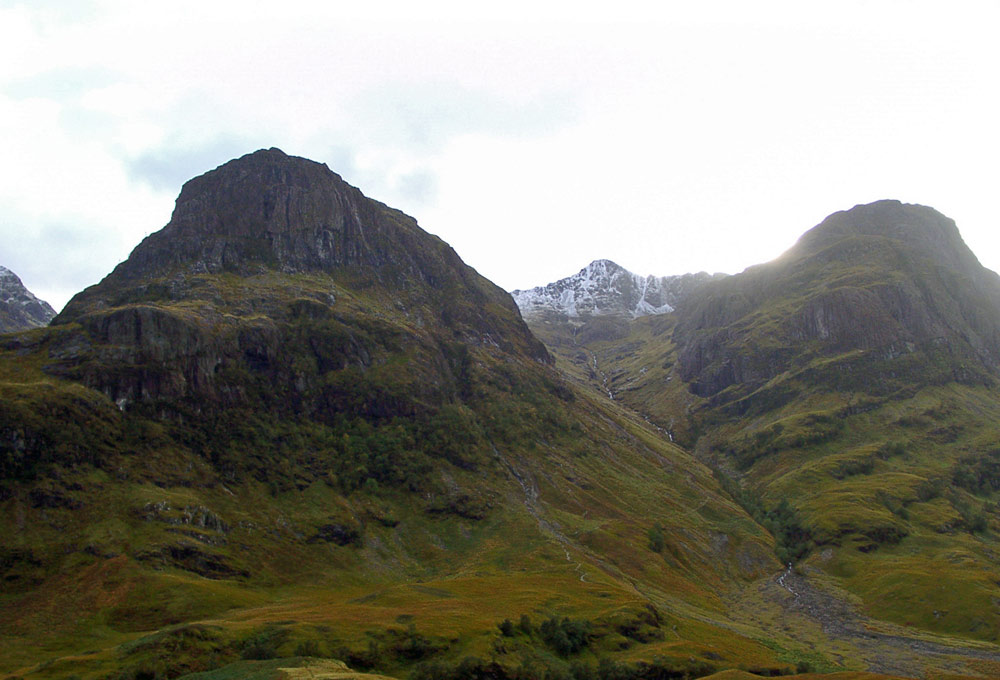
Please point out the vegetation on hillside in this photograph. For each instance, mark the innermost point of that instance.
(313, 437)
(846, 402)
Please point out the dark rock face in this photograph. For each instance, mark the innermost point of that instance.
(338, 534)
(886, 280)
(268, 211)
(19, 309)
(272, 210)
(164, 353)
(193, 558)
(181, 318)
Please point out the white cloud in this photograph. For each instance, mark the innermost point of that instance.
(533, 137)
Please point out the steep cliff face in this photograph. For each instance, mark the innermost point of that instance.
(268, 211)
(216, 305)
(887, 280)
(19, 309)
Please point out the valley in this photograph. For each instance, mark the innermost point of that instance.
(294, 435)
(852, 446)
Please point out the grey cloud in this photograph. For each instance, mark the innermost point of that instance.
(427, 115)
(340, 159)
(168, 167)
(56, 260)
(418, 187)
(62, 83)
(59, 11)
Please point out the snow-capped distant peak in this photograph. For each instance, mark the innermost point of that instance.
(19, 308)
(606, 288)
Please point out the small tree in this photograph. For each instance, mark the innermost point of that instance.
(525, 625)
(655, 536)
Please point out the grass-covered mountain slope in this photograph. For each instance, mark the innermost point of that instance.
(889, 291)
(293, 425)
(847, 395)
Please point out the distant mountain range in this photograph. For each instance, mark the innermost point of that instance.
(294, 434)
(19, 309)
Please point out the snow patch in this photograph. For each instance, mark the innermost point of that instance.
(605, 288)
(19, 308)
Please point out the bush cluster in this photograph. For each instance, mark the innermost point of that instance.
(979, 475)
(794, 541)
(473, 668)
(564, 636)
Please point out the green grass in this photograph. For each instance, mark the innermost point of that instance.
(868, 474)
(189, 534)
(385, 476)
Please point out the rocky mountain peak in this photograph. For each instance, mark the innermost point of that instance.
(272, 261)
(886, 280)
(269, 210)
(604, 267)
(271, 213)
(919, 227)
(19, 308)
(605, 288)
(264, 193)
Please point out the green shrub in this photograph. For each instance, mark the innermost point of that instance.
(308, 648)
(525, 625)
(263, 644)
(566, 636)
(656, 538)
(980, 474)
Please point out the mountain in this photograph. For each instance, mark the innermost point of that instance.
(604, 288)
(294, 434)
(261, 256)
(19, 309)
(894, 283)
(596, 303)
(846, 394)
(294, 424)
(856, 378)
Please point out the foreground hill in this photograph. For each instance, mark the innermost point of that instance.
(847, 394)
(19, 308)
(293, 424)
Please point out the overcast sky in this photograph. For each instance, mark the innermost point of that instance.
(534, 137)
